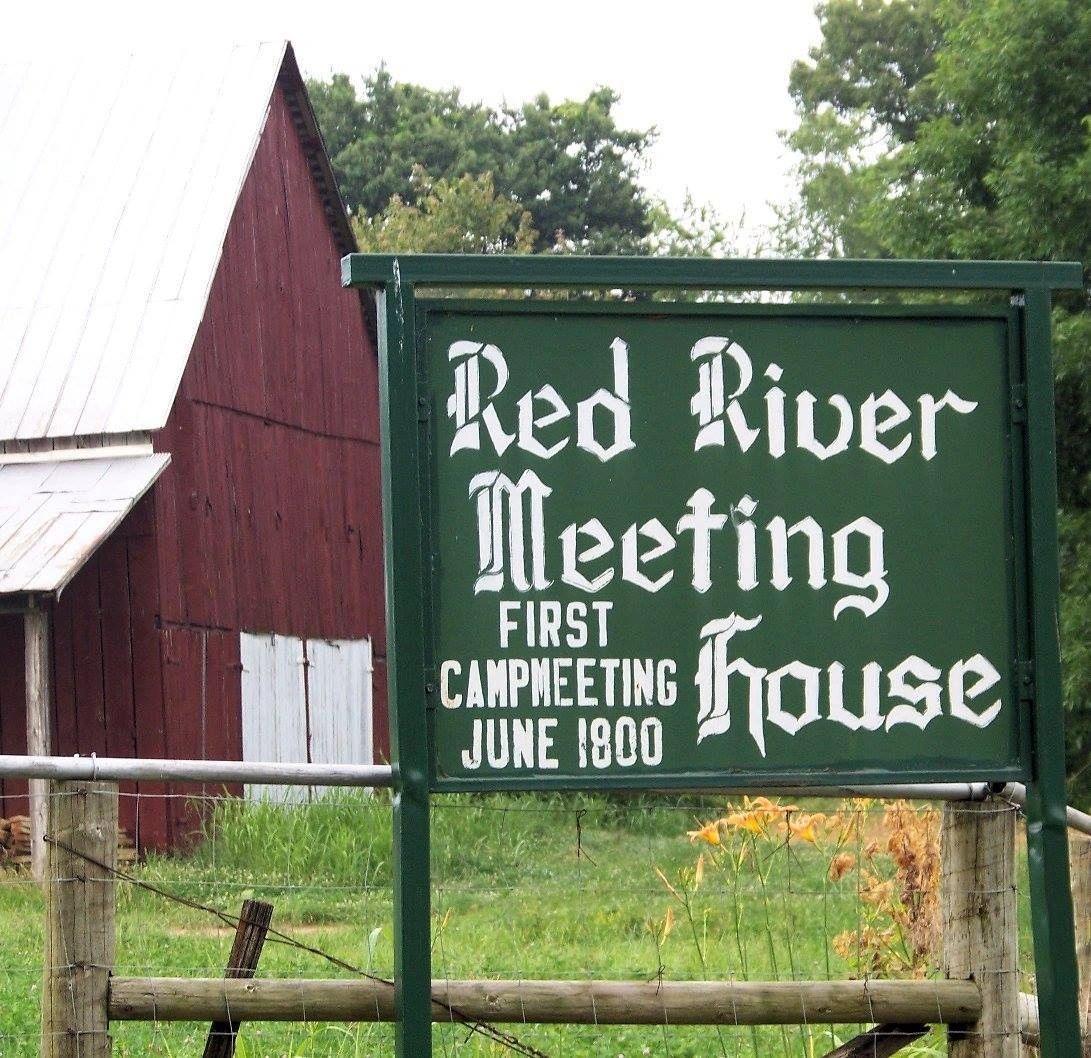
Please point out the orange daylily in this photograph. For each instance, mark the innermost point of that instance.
(804, 829)
(709, 833)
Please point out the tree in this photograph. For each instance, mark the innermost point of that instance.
(448, 216)
(865, 92)
(696, 230)
(568, 165)
(949, 128)
(874, 61)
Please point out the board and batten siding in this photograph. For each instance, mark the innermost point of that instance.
(13, 710)
(304, 700)
(268, 516)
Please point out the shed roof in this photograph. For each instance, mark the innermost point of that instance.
(119, 180)
(55, 513)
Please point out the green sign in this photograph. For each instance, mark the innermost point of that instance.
(691, 543)
(656, 546)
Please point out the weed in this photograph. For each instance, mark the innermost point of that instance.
(762, 850)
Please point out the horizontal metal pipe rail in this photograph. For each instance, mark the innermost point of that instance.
(934, 791)
(135, 769)
(1016, 792)
(553, 1002)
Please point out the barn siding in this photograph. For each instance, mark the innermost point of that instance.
(268, 518)
(13, 709)
(105, 661)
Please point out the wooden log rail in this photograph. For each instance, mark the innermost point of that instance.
(1030, 1026)
(553, 1002)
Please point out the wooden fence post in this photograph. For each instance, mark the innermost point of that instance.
(79, 955)
(1079, 853)
(980, 930)
(38, 662)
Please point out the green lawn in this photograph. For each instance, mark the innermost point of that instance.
(534, 887)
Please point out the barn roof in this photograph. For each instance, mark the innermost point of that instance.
(119, 180)
(55, 513)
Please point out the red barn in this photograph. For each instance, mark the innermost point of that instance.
(190, 537)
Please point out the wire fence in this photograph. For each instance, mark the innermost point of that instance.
(524, 888)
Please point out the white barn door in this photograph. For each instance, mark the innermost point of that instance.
(305, 701)
(339, 700)
(274, 716)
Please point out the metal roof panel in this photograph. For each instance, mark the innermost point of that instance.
(54, 514)
(119, 181)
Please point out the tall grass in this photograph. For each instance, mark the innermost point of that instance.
(340, 839)
(344, 837)
(535, 886)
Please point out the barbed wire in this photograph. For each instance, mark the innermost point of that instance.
(491, 1032)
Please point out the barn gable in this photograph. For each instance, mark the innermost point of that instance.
(113, 212)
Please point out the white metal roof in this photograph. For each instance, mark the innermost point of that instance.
(118, 178)
(54, 514)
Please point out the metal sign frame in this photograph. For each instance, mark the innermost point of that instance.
(554, 329)
(404, 407)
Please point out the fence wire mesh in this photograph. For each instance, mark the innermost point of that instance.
(524, 887)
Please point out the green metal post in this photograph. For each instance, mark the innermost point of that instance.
(1047, 826)
(402, 524)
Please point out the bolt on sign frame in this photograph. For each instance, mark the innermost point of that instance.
(602, 517)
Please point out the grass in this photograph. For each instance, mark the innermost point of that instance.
(523, 886)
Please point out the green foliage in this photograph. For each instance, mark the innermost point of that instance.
(448, 216)
(424, 171)
(576, 171)
(1075, 533)
(342, 839)
(942, 128)
(836, 180)
(567, 164)
(874, 59)
(376, 142)
(697, 230)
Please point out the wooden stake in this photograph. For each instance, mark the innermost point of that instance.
(241, 964)
(879, 1042)
(39, 726)
(1079, 853)
(980, 929)
(79, 955)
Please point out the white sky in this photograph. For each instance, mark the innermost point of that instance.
(710, 76)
